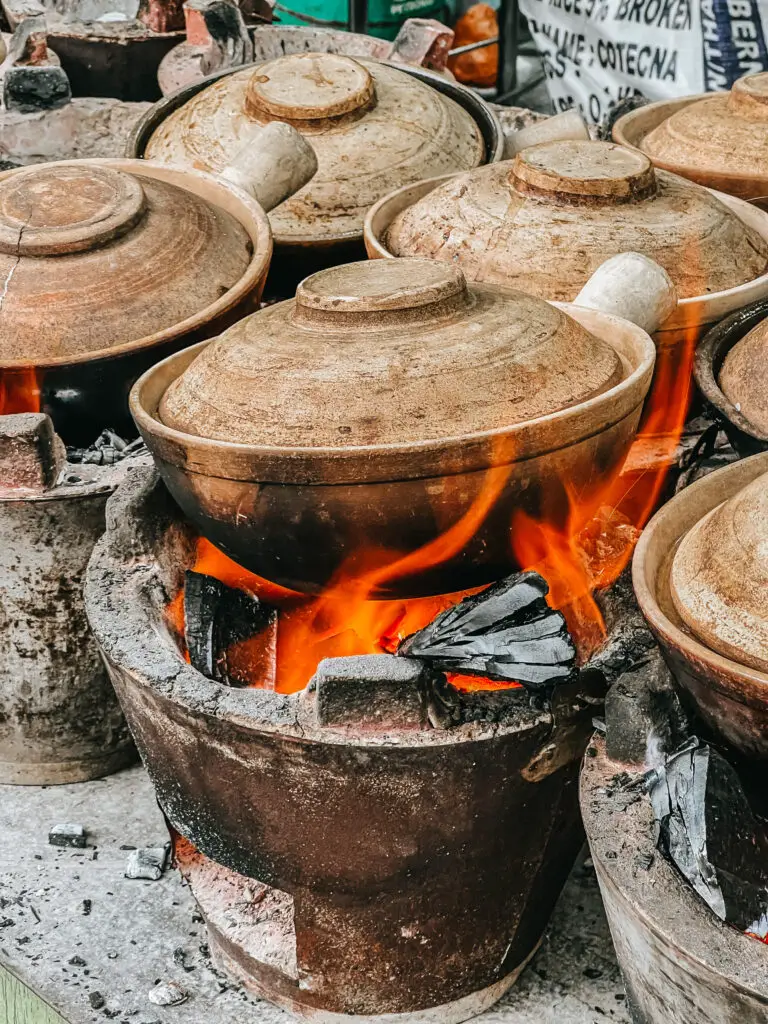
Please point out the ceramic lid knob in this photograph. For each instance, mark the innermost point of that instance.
(52, 210)
(395, 290)
(581, 172)
(308, 87)
(749, 97)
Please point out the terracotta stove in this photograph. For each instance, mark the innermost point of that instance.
(380, 844)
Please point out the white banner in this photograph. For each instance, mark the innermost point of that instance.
(597, 52)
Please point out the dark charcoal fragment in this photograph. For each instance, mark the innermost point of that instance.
(29, 89)
(96, 999)
(708, 830)
(217, 619)
(507, 632)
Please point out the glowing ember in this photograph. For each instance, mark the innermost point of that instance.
(19, 391)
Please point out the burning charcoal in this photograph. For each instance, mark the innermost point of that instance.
(708, 830)
(507, 633)
(67, 835)
(231, 636)
(148, 863)
(167, 993)
(372, 690)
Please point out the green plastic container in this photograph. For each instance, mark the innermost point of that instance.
(384, 16)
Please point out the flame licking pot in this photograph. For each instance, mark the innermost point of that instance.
(747, 437)
(390, 405)
(109, 265)
(731, 697)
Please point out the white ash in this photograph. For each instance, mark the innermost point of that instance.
(149, 863)
(167, 993)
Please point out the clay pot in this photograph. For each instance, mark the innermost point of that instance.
(374, 126)
(109, 265)
(719, 577)
(716, 139)
(546, 220)
(740, 341)
(714, 663)
(384, 403)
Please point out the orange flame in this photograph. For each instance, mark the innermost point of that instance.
(585, 553)
(596, 543)
(19, 391)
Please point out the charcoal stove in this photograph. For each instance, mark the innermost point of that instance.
(681, 959)
(59, 719)
(378, 845)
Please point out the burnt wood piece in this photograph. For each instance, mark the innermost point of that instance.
(709, 832)
(231, 44)
(507, 632)
(31, 455)
(230, 634)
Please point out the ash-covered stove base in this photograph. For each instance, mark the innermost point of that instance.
(251, 938)
(137, 932)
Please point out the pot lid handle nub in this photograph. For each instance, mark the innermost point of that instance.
(66, 208)
(308, 87)
(381, 292)
(749, 97)
(633, 287)
(273, 164)
(583, 172)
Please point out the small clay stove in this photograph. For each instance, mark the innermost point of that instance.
(59, 719)
(380, 841)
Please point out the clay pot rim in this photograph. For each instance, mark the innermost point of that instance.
(480, 112)
(675, 514)
(710, 355)
(421, 459)
(215, 190)
(693, 311)
(632, 129)
(656, 895)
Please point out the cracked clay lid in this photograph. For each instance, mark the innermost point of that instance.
(93, 258)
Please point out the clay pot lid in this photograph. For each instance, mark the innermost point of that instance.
(744, 377)
(388, 353)
(719, 577)
(545, 221)
(725, 133)
(373, 127)
(106, 258)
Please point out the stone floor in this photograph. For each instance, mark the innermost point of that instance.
(75, 930)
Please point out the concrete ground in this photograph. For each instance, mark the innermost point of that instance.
(93, 944)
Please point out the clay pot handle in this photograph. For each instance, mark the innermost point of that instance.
(568, 125)
(275, 162)
(631, 286)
